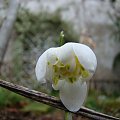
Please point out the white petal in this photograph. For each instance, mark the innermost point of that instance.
(51, 59)
(40, 69)
(65, 53)
(41, 66)
(73, 95)
(86, 56)
(52, 55)
(59, 85)
(87, 78)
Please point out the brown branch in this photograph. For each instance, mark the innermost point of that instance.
(7, 26)
(53, 101)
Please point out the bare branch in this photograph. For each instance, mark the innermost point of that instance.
(53, 101)
(7, 26)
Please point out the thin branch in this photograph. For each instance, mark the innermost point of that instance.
(53, 101)
(7, 26)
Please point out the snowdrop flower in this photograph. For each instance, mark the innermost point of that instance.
(68, 68)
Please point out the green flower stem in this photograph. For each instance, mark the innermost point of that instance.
(61, 38)
(68, 116)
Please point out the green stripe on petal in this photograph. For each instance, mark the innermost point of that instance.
(85, 74)
(55, 80)
(61, 71)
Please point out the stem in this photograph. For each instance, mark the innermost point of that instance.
(61, 38)
(53, 101)
(68, 116)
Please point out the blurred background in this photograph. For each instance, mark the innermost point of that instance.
(38, 24)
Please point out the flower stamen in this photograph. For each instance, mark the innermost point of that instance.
(62, 71)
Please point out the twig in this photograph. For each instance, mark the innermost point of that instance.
(53, 101)
(7, 26)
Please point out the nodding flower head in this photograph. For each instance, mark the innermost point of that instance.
(68, 68)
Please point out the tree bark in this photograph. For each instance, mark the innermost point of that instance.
(53, 101)
(6, 28)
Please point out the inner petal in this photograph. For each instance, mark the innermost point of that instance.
(71, 71)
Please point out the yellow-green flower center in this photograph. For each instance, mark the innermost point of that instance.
(62, 71)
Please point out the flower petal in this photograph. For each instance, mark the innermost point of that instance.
(40, 68)
(86, 57)
(66, 55)
(65, 52)
(51, 60)
(73, 95)
(59, 85)
(52, 55)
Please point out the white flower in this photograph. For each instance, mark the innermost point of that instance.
(68, 68)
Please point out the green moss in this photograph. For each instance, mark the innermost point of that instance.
(95, 100)
(42, 25)
(35, 32)
(36, 107)
(103, 103)
(17, 70)
(116, 31)
(9, 98)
